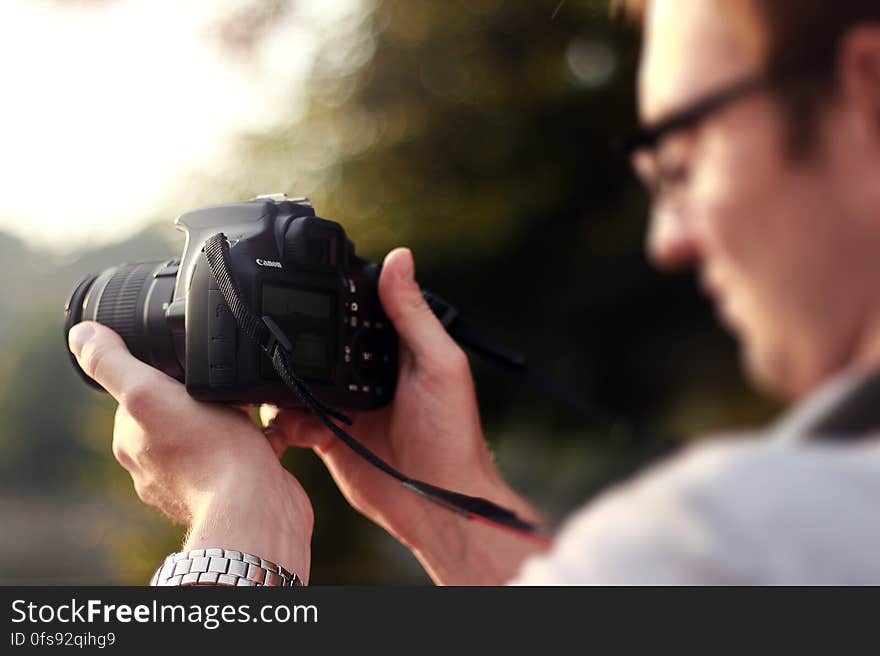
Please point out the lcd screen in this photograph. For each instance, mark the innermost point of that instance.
(308, 318)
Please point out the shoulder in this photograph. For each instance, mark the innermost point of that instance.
(731, 510)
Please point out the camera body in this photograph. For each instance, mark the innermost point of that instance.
(288, 264)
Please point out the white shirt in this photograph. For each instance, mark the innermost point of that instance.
(739, 510)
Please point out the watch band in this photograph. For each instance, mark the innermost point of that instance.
(221, 567)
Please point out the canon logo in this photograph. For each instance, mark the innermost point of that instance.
(269, 263)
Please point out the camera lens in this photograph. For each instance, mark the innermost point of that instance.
(132, 300)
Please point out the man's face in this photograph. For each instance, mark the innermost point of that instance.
(775, 246)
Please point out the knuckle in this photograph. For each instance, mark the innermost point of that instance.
(454, 362)
(121, 453)
(416, 302)
(138, 401)
(134, 447)
(410, 304)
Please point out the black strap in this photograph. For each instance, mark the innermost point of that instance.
(272, 340)
(466, 335)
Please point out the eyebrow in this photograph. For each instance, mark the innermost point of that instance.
(649, 135)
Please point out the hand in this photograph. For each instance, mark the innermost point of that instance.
(431, 432)
(206, 466)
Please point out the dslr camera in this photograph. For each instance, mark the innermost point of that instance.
(288, 264)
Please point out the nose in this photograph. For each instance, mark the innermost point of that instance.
(672, 243)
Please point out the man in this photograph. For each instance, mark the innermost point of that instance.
(769, 189)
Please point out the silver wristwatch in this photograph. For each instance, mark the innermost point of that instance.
(221, 567)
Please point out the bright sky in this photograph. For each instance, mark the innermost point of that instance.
(107, 104)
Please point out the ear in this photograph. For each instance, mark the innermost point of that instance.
(859, 79)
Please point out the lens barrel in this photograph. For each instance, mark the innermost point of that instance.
(132, 299)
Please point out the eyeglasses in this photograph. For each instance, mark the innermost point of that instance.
(644, 143)
(691, 116)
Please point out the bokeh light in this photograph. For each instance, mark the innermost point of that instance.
(112, 104)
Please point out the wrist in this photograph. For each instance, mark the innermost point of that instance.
(266, 514)
(457, 551)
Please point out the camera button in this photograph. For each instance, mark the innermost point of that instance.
(366, 358)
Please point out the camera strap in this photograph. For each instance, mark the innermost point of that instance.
(469, 337)
(276, 345)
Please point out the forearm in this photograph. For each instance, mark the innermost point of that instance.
(458, 551)
(261, 517)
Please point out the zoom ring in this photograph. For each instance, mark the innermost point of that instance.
(121, 307)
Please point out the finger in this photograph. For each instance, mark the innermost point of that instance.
(245, 409)
(269, 412)
(276, 440)
(273, 434)
(102, 354)
(415, 323)
(297, 427)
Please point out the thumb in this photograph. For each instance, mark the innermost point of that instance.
(102, 354)
(401, 296)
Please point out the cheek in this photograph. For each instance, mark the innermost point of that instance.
(739, 212)
(761, 219)
(761, 216)
(771, 236)
(738, 181)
